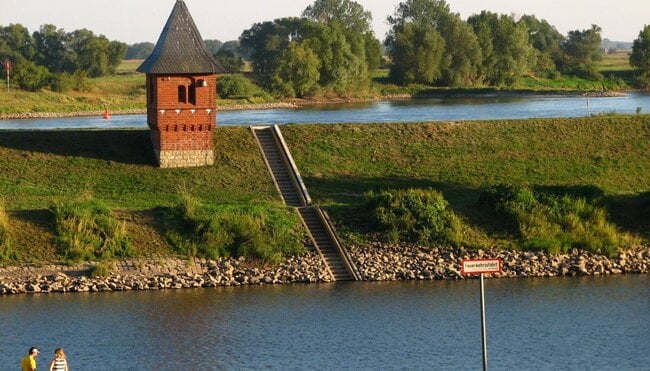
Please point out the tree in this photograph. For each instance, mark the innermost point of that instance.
(417, 52)
(18, 41)
(52, 51)
(229, 61)
(546, 39)
(213, 46)
(507, 55)
(298, 75)
(139, 50)
(581, 51)
(353, 21)
(460, 53)
(267, 41)
(462, 57)
(640, 57)
(348, 14)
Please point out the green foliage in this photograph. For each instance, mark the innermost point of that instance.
(507, 54)
(29, 76)
(100, 270)
(238, 86)
(557, 223)
(415, 215)
(229, 61)
(88, 230)
(61, 82)
(259, 231)
(139, 50)
(7, 246)
(640, 57)
(417, 52)
(298, 75)
(455, 54)
(336, 31)
(581, 50)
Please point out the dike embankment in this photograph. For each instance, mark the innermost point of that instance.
(376, 261)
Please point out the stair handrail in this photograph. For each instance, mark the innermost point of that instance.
(343, 252)
(284, 149)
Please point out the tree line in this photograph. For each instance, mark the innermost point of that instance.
(51, 56)
(331, 48)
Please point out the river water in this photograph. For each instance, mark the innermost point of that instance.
(415, 110)
(594, 323)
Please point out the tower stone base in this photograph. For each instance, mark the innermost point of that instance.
(184, 158)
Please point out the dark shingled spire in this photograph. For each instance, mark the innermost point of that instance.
(180, 48)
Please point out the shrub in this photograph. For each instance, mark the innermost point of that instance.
(61, 82)
(237, 87)
(88, 230)
(557, 223)
(7, 250)
(259, 231)
(414, 215)
(29, 76)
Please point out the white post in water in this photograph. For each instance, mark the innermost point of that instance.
(480, 266)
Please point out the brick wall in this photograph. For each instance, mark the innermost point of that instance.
(182, 119)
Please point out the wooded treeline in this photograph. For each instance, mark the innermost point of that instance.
(51, 56)
(332, 50)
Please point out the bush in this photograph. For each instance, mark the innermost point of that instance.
(259, 231)
(61, 82)
(88, 230)
(29, 76)
(557, 223)
(7, 250)
(414, 215)
(238, 87)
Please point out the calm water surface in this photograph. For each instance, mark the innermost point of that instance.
(600, 323)
(416, 110)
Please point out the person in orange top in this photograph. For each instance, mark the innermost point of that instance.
(28, 363)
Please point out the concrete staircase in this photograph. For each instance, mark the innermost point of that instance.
(294, 193)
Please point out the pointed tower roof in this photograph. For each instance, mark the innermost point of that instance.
(180, 48)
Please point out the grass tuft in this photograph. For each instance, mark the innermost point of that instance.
(259, 231)
(558, 223)
(7, 249)
(88, 230)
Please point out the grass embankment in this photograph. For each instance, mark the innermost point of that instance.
(126, 90)
(602, 159)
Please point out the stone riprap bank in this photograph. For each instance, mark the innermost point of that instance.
(380, 262)
(377, 262)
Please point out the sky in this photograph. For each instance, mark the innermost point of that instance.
(133, 21)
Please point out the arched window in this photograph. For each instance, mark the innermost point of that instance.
(182, 94)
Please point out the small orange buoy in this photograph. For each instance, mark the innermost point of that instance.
(107, 116)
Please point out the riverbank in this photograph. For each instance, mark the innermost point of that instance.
(296, 103)
(376, 262)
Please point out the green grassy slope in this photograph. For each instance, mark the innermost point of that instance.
(604, 158)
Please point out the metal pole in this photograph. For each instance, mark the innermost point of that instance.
(483, 327)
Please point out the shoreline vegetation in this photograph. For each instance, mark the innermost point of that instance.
(589, 174)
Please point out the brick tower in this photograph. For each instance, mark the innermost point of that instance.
(181, 93)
